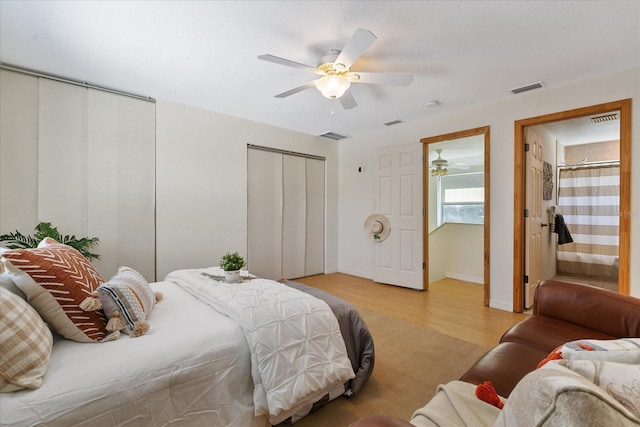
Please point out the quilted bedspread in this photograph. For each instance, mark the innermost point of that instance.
(297, 350)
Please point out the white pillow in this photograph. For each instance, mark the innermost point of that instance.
(8, 274)
(622, 350)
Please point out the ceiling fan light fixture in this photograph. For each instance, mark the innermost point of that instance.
(439, 165)
(439, 171)
(333, 86)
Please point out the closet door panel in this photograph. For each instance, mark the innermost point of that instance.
(62, 163)
(18, 152)
(294, 213)
(121, 182)
(264, 205)
(314, 253)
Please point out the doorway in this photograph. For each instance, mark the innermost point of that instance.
(522, 132)
(432, 183)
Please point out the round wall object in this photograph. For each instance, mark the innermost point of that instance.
(377, 227)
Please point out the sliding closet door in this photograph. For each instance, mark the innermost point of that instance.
(121, 181)
(18, 152)
(264, 205)
(285, 215)
(314, 245)
(82, 159)
(62, 157)
(294, 216)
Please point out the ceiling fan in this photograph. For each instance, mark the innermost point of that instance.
(334, 69)
(441, 166)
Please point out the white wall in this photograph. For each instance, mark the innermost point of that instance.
(356, 190)
(201, 193)
(457, 251)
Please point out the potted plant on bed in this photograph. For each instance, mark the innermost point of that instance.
(231, 263)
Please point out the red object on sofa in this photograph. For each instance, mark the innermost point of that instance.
(562, 312)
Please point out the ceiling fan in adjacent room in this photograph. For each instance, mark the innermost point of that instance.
(441, 166)
(334, 69)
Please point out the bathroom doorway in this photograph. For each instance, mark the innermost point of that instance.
(614, 221)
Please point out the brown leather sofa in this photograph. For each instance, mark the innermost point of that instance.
(562, 312)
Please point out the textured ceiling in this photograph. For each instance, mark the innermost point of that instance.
(204, 53)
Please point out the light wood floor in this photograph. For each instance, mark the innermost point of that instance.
(450, 306)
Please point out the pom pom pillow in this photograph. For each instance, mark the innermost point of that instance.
(58, 278)
(127, 300)
(26, 344)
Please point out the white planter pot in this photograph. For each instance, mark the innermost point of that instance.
(232, 276)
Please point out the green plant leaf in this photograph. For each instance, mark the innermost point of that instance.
(18, 241)
(44, 229)
(231, 261)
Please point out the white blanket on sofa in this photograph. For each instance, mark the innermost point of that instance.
(297, 351)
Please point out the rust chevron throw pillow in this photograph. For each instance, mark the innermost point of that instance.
(58, 278)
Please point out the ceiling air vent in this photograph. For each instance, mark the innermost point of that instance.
(604, 118)
(393, 122)
(532, 86)
(333, 135)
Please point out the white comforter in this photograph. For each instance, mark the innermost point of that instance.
(190, 370)
(297, 351)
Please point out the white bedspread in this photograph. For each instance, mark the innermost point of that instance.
(191, 369)
(297, 351)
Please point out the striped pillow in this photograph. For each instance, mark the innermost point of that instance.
(58, 279)
(26, 344)
(129, 297)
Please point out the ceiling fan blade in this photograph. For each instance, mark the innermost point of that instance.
(296, 90)
(355, 47)
(461, 166)
(384, 79)
(288, 63)
(348, 101)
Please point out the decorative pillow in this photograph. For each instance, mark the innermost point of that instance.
(7, 275)
(557, 396)
(622, 350)
(127, 300)
(26, 344)
(58, 279)
(619, 380)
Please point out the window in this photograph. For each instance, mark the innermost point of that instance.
(461, 198)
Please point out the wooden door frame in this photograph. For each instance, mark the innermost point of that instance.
(624, 243)
(484, 130)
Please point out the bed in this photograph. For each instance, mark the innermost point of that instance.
(196, 366)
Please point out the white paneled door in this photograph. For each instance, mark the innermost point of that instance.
(398, 196)
(534, 218)
(285, 215)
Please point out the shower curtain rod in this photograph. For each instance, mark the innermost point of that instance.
(591, 164)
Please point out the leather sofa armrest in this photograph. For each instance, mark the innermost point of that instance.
(594, 308)
(379, 420)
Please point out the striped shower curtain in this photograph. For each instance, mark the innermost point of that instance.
(589, 200)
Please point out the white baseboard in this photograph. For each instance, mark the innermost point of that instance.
(466, 278)
(356, 273)
(501, 305)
